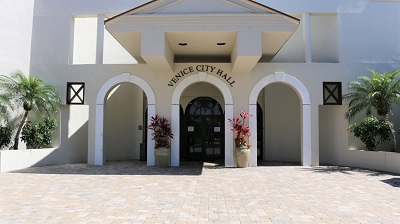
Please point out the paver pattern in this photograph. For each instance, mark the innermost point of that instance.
(130, 192)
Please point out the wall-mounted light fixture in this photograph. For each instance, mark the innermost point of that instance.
(332, 93)
(75, 93)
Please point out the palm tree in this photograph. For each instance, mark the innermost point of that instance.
(32, 95)
(4, 108)
(379, 92)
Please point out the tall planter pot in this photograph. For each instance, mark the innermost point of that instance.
(162, 156)
(242, 156)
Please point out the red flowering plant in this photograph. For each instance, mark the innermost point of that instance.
(242, 131)
(162, 131)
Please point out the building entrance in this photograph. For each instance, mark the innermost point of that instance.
(203, 130)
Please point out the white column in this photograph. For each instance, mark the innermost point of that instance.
(175, 116)
(99, 128)
(253, 137)
(91, 134)
(306, 135)
(151, 112)
(307, 37)
(100, 39)
(314, 134)
(229, 161)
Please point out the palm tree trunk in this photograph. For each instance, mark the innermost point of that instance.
(394, 141)
(16, 139)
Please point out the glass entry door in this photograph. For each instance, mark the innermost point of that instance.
(205, 130)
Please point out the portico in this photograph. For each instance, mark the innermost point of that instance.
(188, 43)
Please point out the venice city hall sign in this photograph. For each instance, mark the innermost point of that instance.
(212, 70)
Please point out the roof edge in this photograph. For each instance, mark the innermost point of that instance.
(272, 9)
(130, 10)
(153, 1)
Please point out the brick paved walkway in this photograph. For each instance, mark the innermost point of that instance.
(130, 192)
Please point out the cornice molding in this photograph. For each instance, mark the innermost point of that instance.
(211, 20)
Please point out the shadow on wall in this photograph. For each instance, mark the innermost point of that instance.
(74, 137)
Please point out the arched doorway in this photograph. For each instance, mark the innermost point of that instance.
(305, 113)
(204, 135)
(96, 142)
(123, 111)
(228, 114)
(282, 123)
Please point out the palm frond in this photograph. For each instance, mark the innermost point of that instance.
(377, 92)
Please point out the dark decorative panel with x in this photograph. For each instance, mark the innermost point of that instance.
(332, 93)
(75, 93)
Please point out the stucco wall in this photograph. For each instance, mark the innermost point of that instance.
(311, 75)
(324, 41)
(377, 36)
(52, 40)
(334, 149)
(16, 18)
(18, 159)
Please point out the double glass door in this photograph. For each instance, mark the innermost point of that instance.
(204, 138)
(205, 130)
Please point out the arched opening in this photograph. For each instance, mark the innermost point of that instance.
(297, 89)
(124, 109)
(96, 152)
(204, 135)
(282, 124)
(178, 100)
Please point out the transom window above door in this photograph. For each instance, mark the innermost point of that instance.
(204, 106)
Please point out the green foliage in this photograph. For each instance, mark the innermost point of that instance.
(4, 108)
(40, 134)
(31, 94)
(5, 136)
(378, 92)
(372, 131)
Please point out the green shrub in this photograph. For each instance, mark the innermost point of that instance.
(5, 136)
(38, 135)
(372, 131)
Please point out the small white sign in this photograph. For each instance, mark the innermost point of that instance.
(191, 128)
(217, 129)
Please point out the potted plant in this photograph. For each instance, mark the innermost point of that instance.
(162, 134)
(242, 147)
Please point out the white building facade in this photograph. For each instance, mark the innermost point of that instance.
(200, 63)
